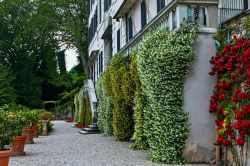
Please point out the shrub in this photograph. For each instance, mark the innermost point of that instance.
(104, 109)
(76, 102)
(163, 60)
(139, 136)
(11, 126)
(119, 87)
(88, 115)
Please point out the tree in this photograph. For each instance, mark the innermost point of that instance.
(7, 92)
(73, 18)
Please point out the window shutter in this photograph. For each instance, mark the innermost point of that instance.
(143, 14)
(162, 4)
(100, 11)
(130, 28)
(118, 40)
(158, 6)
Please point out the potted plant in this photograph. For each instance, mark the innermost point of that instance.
(19, 122)
(28, 131)
(36, 114)
(45, 118)
(6, 137)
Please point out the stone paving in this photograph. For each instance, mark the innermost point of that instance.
(66, 147)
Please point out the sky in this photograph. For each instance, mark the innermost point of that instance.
(71, 58)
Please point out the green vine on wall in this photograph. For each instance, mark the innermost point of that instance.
(163, 62)
(119, 87)
(104, 109)
(139, 136)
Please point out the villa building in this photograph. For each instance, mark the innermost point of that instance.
(118, 27)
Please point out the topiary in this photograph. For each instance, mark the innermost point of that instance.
(164, 59)
(119, 87)
(104, 109)
(139, 136)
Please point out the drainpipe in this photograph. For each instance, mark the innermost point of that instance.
(245, 4)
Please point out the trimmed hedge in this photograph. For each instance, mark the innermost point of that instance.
(139, 136)
(76, 103)
(119, 87)
(164, 60)
(104, 109)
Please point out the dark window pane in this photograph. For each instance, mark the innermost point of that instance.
(143, 14)
(118, 40)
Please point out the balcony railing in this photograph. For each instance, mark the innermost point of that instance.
(231, 8)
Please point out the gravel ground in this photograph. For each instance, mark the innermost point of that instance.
(66, 147)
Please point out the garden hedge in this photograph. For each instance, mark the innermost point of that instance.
(139, 137)
(104, 109)
(164, 59)
(119, 87)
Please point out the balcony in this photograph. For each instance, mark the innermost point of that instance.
(229, 9)
(122, 7)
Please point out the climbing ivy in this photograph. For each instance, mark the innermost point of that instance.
(119, 87)
(76, 103)
(104, 109)
(139, 137)
(164, 59)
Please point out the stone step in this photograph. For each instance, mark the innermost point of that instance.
(89, 131)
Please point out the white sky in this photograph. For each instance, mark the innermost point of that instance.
(71, 58)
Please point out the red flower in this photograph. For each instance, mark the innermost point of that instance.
(248, 72)
(220, 85)
(226, 143)
(243, 132)
(243, 95)
(237, 125)
(228, 84)
(246, 123)
(234, 98)
(212, 73)
(232, 76)
(240, 141)
(232, 137)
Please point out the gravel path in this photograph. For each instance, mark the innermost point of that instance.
(66, 147)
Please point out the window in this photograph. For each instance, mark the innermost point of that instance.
(100, 11)
(174, 23)
(100, 62)
(143, 14)
(130, 28)
(160, 5)
(107, 4)
(118, 40)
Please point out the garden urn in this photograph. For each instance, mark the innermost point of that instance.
(18, 146)
(4, 157)
(36, 131)
(29, 135)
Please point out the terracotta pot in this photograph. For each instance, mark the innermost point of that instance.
(4, 157)
(29, 134)
(36, 131)
(18, 146)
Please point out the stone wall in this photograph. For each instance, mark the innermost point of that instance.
(197, 92)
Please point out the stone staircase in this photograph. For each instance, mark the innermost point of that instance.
(89, 90)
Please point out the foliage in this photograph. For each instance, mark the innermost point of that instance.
(119, 87)
(88, 114)
(230, 100)
(11, 126)
(46, 116)
(241, 27)
(104, 109)
(76, 103)
(139, 136)
(164, 59)
(7, 92)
